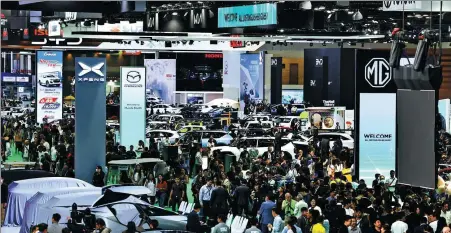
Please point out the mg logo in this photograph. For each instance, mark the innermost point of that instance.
(377, 72)
(313, 83)
(197, 19)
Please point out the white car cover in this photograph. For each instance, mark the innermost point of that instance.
(40, 198)
(21, 191)
(61, 204)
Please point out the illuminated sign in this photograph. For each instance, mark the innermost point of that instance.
(247, 16)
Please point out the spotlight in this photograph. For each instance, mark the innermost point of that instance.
(165, 16)
(186, 14)
(184, 42)
(175, 13)
(357, 16)
(324, 43)
(191, 42)
(137, 41)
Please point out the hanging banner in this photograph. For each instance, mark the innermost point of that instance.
(160, 79)
(49, 88)
(90, 92)
(231, 85)
(247, 16)
(251, 78)
(133, 106)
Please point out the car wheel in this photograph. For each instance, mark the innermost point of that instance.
(40, 83)
(47, 83)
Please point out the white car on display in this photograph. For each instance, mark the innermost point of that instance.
(258, 124)
(161, 134)
(203, 108)
(259, 143)
(49, 80)
(162, 109)
(286, 121)
(348, 141)
(168, 118)
(153, 99)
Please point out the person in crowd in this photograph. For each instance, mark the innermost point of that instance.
(98, 178)
(55, 227)
(277, 225)
(354, 228)
(288, 205)
(253, 229)
(43, 228)
(219, 200)
(150, 184)
(193, 223)
(265, 212)
(177, 194)
(205, 197)
(162, 189)
(101, 226)
(221, 227)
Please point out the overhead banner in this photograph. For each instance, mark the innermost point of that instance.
(133, 106)
(424, 6)
(251, 78)
(49, 89)
(90, 92)
(375, 115)
(247, 16)
(160, 79)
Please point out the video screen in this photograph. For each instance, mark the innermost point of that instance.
(199, 72)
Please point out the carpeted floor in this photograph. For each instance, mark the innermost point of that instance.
(15, 155)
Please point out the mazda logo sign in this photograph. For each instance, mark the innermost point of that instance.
(133, 77)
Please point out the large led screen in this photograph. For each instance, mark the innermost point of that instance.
(199, 72)
(377, 135)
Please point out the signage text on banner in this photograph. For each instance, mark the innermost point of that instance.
(90, 129)
(251, 78)
(247, 16)
(133, 106)
(49, 102)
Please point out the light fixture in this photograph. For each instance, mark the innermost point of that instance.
(165, 16)
(175, 13)
(357, 16)
(186, 14)
(306, 5)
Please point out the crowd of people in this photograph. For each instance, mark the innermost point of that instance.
(314, 192)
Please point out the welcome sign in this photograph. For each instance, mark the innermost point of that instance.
(247, 16)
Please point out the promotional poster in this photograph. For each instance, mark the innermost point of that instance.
(49, 89)
(90, 92)
(247, 16)
(292, 96)
(133, 105)
(251, 78)
(327, 118)
(231, 70)
(199, 71)
(443, 109)
(160, 79)
(377, 135)
(349, 119)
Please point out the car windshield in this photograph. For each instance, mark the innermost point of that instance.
(163, 118)
(266, 125)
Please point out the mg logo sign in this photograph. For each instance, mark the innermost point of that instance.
(377, 72)
(274, 62)
(319, 62)
(313, 83)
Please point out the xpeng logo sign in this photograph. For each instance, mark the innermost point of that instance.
(377, 72)
(198, 19)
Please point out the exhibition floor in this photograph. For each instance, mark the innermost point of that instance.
(15, 155)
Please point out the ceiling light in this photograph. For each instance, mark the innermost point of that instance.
(306, 5)
(189, 3)
(186, 13)
(175, 13)
(357, 16)
(350, 12)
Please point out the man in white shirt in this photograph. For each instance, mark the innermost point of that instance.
(347, 207)
(446, 213)
(399, 226)
(433, 220)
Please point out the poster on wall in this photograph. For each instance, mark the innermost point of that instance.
(49, 88)
(443, 110)
(327, 118)
(160, 79)
(195, 98)
(377, 135)
(133, 105)
(251, 78)
(349, 120)
(292, 96)
(231, 84)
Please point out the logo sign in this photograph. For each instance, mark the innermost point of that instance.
(22, 79)
(48, 100)
(274, 62)
(377, 73)
(198, 19)
(213, 55)
(50, 106)
(90, 69)
(59, 41)
(402, 5)
(313, 83)
(318, 62)
(329, 103)
(247, 16)
(69, 16)
(133, 77)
